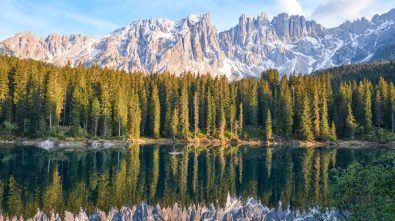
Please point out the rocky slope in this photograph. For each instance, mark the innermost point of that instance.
(288, 43)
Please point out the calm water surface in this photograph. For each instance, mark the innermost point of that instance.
(32, 178)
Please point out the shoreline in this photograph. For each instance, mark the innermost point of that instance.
(84, 143)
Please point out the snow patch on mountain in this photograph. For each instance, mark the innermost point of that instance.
(288, 43)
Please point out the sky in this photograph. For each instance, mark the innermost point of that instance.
(100, 18)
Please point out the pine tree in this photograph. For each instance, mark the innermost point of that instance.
(222, 123)
(184, 112)
(367, 105)
(134, 117)
(268, 126)
(253, 106)
(391, 98)
(232, 109)
(351, 123)
(381, 104)
(316, 113)
(324, 125)
(54, 95)
(105, 105)
(121, 111)
(95, 111)
(174, 123)
(286, 112)
(211, 116)
(305, 129)
(144, 110)
(241, 119)
(154, 112)
(378, 109)
(196, 113)
(79, 105)
(333, 135)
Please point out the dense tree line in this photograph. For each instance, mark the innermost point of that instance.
(358, 72)
(38, 99)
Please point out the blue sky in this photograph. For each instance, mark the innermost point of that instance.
(99, 18)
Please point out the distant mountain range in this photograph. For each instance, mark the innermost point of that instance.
(287, 43)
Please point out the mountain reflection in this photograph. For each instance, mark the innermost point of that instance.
(32, 178)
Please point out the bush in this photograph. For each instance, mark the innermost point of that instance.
(253, 133)
(365, 192)
(9, 128)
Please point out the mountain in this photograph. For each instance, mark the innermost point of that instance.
(287, 43)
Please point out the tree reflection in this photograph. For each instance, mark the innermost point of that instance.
(298, 177)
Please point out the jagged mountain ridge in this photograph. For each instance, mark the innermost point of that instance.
(288, 43)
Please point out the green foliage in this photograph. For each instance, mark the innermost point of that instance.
(365, 192)
(196, 114)
(14, 205)
(1, 195)
(268, 127)
(104, 198)
(154, 113)
(351, 123)
(9, 128)
(252, 133)
(53, 195)
(332, 134)
(134, 117)
(305, 129)
(174, 122)
(184, 112)
(38, 99)
(113, 177)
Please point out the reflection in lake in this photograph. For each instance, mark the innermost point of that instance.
(32, 178)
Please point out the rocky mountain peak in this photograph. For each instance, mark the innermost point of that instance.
(194, 19)
(389, 16)
(288, 43)
(296, 27)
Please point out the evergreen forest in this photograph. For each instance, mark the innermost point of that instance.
(42, 100)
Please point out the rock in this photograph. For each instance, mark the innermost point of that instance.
(95, 144)
(46, 144)
(71, 144)
(107, 144)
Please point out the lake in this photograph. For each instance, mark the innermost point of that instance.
(170, 181)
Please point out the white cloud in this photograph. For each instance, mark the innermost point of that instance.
(292, 7)
(333, 12)
(42, 20)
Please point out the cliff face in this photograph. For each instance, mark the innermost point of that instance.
(288, 43)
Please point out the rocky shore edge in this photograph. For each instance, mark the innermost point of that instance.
(70, 143)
